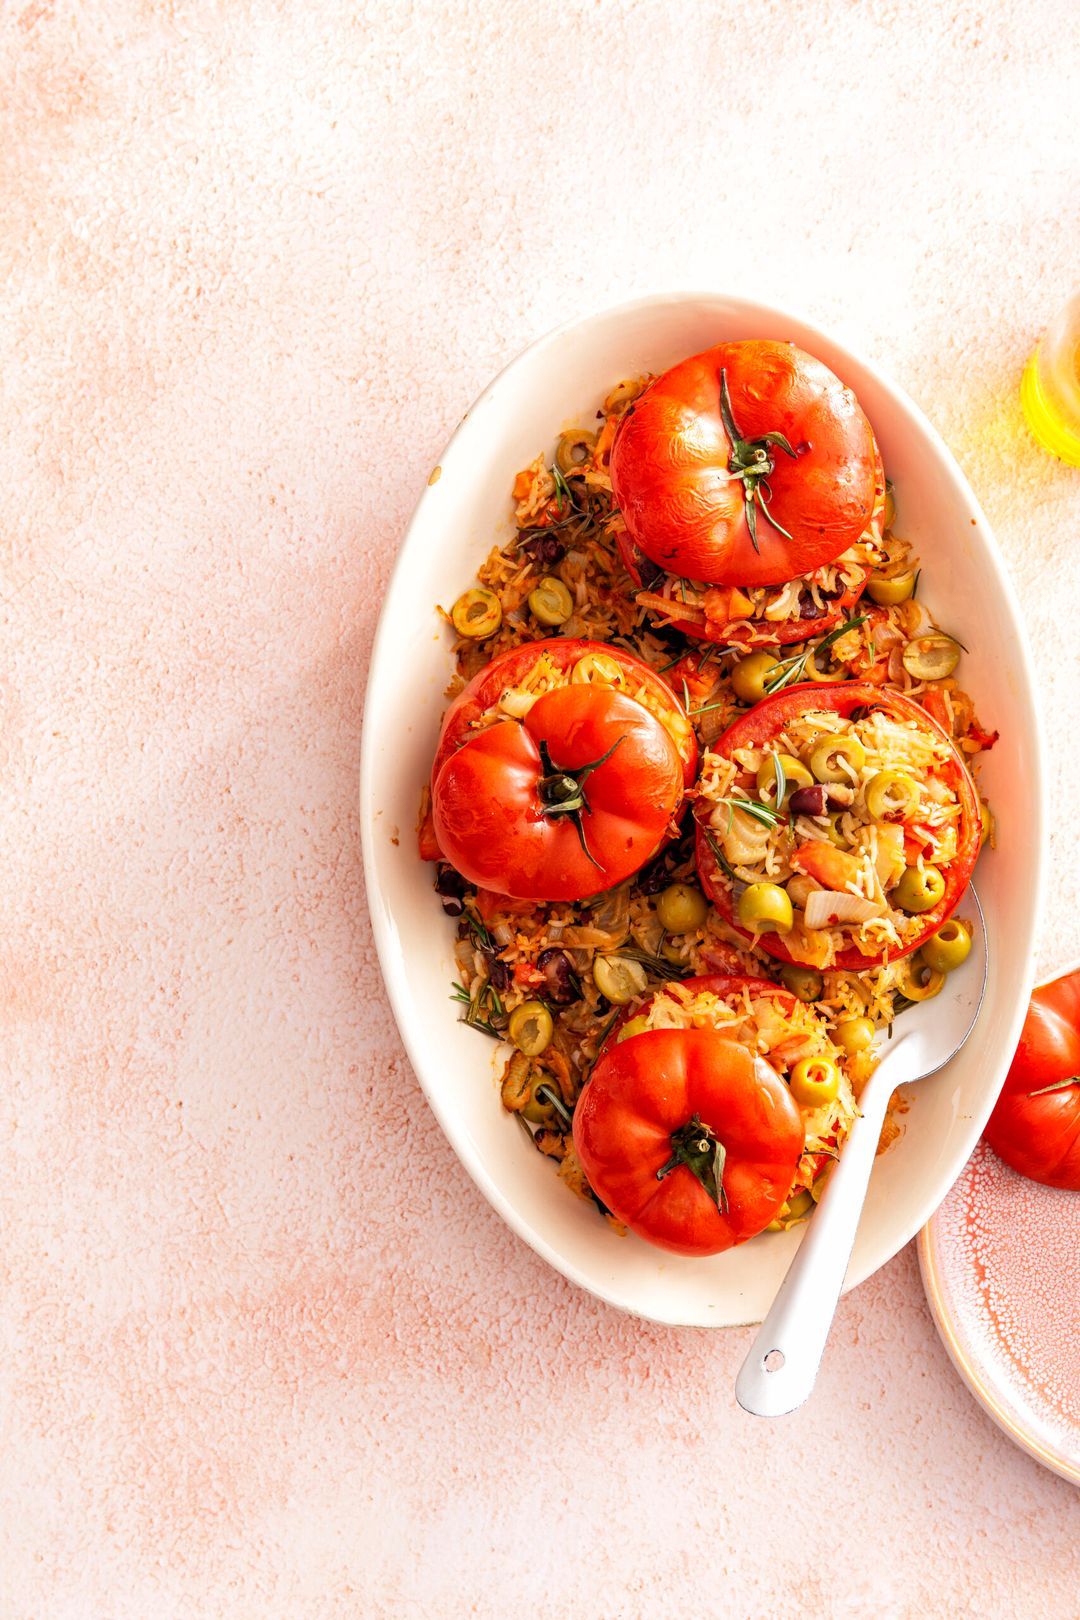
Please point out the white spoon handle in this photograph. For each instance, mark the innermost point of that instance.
(782, 1365)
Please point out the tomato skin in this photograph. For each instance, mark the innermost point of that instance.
(766, 720)
(1039, 1136)
(510, 667)
(650, 1085)
(493, 827)
(752, 633)
(685, 510)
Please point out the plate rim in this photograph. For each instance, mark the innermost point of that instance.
(471, 1162)
(977, 1382)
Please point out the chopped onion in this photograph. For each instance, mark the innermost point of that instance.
(826, 906)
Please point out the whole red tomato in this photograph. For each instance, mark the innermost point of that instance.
(686, 1141)
(749, 464)
(1035, 1126)
(761, 725)
(571, 799)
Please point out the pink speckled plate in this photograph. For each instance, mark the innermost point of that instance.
(1000, 1263)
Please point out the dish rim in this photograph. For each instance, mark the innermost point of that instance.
(978, 1383)
(397, 991)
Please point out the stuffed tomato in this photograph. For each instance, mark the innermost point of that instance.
(560, 770)
(751, 496)
(680, 1133)
(837, 827)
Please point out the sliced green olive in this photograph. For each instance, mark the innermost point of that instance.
(622, 395)
(619, 978)
(633, 1026)
(931, 657)
(889, 514)
(827, 754)
(855, 1035)
(681, 908)
(797, 1208)
(802, 982)
(832, 832)
(986, 817)
(597, 669)
(477, 614)
(918, 890)
(749, 675)
(538, 1109)
(889, 589)
(915, 980)
(796, 775)
(946, 949)
(765, 906)
(531, 1028)
(892, 796)
(551, 601)
(815, 1081)
(820, 1183)
(574, 449)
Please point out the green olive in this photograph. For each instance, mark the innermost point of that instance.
(477, 614)
(820, 1183)
(915, 981)
(889, 589)
(796, 775)
(597, 669)
(797, 1208)
(802, 982)
(892, 796)
(931, 657)
(622, 395)
(815, 1081)
(764, 907)
(531, 1028)
(540, 1110)
(855, 1034)
(986, 817)
(828, 752)
(574, 449)
(551, 601)
(889, 515)
(749, 675)
(946, 949)
(681, 908)
(619, 978)
(633, 1026)
(832, 832)
(918, 891)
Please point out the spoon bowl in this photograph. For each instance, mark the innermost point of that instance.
(782, 1365)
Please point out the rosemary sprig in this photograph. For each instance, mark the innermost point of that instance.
(545, 1091)
(790, 670)
(562, 489)
(763, 813)
(719, 857)
(781, 779)
(658, 966)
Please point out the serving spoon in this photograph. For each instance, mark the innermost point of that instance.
(782, 1365)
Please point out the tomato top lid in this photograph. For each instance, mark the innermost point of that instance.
(748, 464)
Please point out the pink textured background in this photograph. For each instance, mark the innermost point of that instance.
(266, 1351)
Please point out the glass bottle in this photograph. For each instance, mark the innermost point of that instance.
(1050, 389)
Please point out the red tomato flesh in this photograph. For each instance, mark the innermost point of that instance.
(762, 724)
